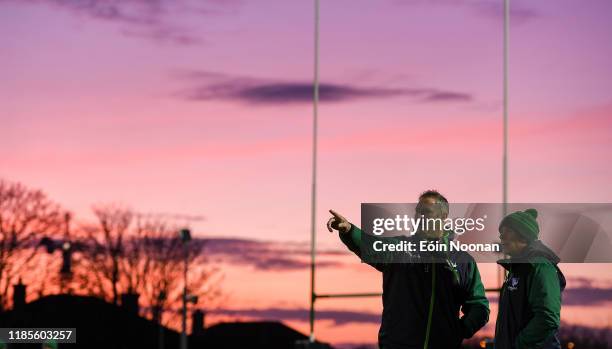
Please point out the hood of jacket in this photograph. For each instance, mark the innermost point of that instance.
(535, 252)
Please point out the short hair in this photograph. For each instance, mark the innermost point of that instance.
(439, 198)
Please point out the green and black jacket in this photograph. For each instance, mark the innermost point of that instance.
(530, 300)
(422, 302)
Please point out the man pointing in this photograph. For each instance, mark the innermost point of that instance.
(422, 301)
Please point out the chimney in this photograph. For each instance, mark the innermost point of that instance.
(197, 324)
(19, 296)
(129, 302)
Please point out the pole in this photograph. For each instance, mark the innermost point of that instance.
(505, 155)
(184, 329)
(313, 195)
(501, 273)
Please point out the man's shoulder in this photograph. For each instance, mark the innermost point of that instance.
(541, 265)
(462, 257)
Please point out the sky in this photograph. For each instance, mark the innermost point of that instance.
(204, 108)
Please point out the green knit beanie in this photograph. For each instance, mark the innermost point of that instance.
(524, 223)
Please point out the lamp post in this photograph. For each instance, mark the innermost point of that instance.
(161, 297)
(185, 235)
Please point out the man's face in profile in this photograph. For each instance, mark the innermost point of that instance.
(511, 241)
(430, 207)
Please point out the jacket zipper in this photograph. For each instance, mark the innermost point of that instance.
(431, 304)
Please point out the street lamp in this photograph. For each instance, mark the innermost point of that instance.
(185, 235)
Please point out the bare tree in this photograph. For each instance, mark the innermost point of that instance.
(127, 252)
(121, 252)
(26, 215)
(105, 241)
(153, 267)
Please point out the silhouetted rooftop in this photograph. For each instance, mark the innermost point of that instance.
(101, 324)
(98, 324)
(256, 335)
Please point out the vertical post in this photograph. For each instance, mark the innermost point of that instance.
(159, 310)
(505, 122)
(185, 235)
(505, 82)
(66, 270)
(313, 195)
(184, 324)
(160, 334)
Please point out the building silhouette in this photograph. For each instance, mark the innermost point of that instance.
(100, 324)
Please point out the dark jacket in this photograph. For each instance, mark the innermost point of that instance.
(418, 294)
(530, 300)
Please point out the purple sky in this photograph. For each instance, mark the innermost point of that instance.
(203, 107)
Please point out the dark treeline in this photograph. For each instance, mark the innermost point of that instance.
(120, 251)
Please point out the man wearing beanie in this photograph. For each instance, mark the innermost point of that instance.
(530, 299)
